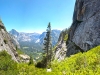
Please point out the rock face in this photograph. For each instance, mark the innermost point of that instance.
(85, 30)
(6, 43)
(24, 58)
(60, 49)
(15, 42)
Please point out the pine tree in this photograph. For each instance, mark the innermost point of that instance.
(47, 46)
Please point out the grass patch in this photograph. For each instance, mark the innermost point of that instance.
(7, 65)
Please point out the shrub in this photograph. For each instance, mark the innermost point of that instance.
(31, 60)
(87, 63)
(5, 41)
(7, 65)
(42, 64)
(66, 37)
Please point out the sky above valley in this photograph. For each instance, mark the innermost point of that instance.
(34, 15)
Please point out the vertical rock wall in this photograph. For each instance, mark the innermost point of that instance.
(6, 43)
(85, 30)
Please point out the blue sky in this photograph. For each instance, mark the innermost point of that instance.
(34, 15)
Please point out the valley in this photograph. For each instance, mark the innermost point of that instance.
(32, 43)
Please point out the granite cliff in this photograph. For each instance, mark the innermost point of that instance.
(6, 43)
(60, 48)
(84, 32)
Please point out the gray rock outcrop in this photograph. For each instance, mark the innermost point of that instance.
(6, 43)
(60, 49)
(85, 30)
(24, 58)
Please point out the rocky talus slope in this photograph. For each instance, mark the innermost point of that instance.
(6, 43)
(84, 32)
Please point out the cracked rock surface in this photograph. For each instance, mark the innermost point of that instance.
(85, 29)
(6, 43)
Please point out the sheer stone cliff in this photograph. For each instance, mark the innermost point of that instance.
(84, 32)
(6, 42)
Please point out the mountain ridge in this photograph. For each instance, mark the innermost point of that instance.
(36, 37)
(32, 43)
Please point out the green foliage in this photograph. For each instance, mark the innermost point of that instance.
(5, 41)
(87, 63)
(47, 47)
(19, 51)
(7, 66)
(41, 63)
(31, 60)
(66, 37)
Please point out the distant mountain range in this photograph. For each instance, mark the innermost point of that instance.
(34, 37)
(33, 42)
(22, 36)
